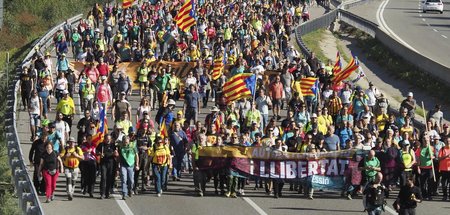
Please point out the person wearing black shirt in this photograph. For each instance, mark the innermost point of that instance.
(84, 126)
(407, 199)
(50, 165)
(143, 144)
(36, 151)
(107, 152)
(26, 85)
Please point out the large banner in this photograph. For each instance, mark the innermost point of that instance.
(181, 69)
(322, 170)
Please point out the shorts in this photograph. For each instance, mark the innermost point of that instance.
(276, 102)
(144, 85)
(35, 119)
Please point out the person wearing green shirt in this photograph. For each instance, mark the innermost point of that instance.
(143, 72)
(161, 83)
(129, 161)
(425, 162)
(199, 175)
(370, 166)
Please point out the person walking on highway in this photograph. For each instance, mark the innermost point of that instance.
(50, 166)
(199, 174)
(128, 163)
(161, 160)
(444, 167)
(407, 198)
(375, 196)
(66, 106)
(425, 153)
(89, 170)
(38, 148)
(178, 142)
(71, 156)
(108, 153)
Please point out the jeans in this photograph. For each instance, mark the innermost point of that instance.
(375, 211)
(160, 173)
(407, 211)
(38, 184)
(425, 182)
(199, 181)
(264, 122)
(232, 183)
(445, 181)
(187, 162)
(177, 161)
(106, 178)
(127, 178)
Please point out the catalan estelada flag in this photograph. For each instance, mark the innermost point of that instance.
(309, 86)
(337, 68)
(127, 3)
(352, 66)
(239, 86)
(102, 128)
(185, 18)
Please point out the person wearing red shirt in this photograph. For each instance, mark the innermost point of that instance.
(444, 166)
(103, 68)
(276, 94)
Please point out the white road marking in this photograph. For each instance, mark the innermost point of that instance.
(390, 210)
(254, 205)
(385, 27)
(420, 15)
(423, 20)
(122, 204)
(435, 30)
(444, 36)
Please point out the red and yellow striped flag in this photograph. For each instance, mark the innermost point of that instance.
(127, 3)
(218, 68)
(352, 66)
(308, 86)
(163, 132)
(239, 86)
(185, 18)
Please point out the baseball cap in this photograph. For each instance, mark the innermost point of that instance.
(410, 94)
(71, 139)
(65, 92)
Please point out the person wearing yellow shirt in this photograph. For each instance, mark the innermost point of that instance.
(161, 159)
(253, 116)
(194, 53)
(66, 106)
(143, 72)
(323, 120)
(71, 156)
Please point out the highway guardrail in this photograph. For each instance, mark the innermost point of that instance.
(26, 192)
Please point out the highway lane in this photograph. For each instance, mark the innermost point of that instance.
(428, 33)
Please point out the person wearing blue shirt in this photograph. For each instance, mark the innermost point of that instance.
(344, 133)
(62, 65)
(55, 138)
(178, 141)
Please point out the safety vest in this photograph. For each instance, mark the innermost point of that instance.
(88, 92)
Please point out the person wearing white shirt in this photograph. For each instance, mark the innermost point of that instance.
(63, 128)
(372, 94)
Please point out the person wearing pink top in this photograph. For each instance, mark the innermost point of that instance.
(92, 72)
(104, 93)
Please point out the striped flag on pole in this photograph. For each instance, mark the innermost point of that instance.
(127, 3)
(240, 86)
(337, 68)
(185, 18)
(102, 128)
(309, 86)
(347, 71)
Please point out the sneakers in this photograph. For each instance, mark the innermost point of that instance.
(47, 201)
(123, 197)
(349, 197)
(233, 195)
(52, 197)
(158, 195)
(310, 198)
(242, 192)
(70, 197)
(200, 194)
(227, 194)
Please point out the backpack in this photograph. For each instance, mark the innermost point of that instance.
(376, 196)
